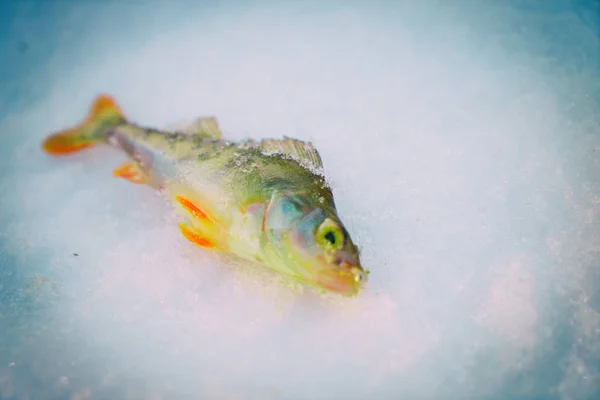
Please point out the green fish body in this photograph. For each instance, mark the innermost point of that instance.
(264, 201)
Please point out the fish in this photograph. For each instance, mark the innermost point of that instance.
(265, 201)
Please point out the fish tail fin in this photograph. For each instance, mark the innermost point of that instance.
(103, 114)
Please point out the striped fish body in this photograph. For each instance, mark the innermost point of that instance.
(265, 201)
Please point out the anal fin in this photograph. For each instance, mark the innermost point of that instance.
(132, 172)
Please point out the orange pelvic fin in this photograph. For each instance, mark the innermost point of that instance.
(195, 237)
(103, 114)
(132, 172)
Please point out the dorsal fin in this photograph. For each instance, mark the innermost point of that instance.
(303, 152)
(206, 127)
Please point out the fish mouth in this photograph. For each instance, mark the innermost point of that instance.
(345, 279)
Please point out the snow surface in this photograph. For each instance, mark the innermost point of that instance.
(462, 141)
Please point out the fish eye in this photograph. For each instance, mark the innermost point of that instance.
(329, 235)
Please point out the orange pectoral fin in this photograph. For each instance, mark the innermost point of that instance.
(130, 171)
(203, 228)
(195, 238)
(192, 208)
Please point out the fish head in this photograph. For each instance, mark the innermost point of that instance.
(311, 242)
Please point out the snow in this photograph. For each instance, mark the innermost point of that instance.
(461, 142)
